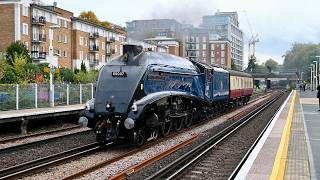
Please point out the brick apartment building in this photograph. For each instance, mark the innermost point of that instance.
(45, 31)
(217, 41)
(95, 44)
(53, 35)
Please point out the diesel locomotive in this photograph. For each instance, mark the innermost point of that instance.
(141, 95)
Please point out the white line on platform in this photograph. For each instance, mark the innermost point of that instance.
(253, 155)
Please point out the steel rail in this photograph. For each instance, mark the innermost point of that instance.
(176, 167)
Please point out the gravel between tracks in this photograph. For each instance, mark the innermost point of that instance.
(74, 166)
(24, 154)
(223, 162)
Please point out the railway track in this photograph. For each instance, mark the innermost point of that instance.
(28, 167)
(41, 163)
(13, 139)
(11, 148)
(198, 162)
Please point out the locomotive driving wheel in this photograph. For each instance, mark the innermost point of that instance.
(166, 126)
(177, 124)
(188, 121)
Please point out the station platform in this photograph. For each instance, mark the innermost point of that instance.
(26, 115)
(289, 149)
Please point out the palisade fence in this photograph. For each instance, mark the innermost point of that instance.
(15, 97)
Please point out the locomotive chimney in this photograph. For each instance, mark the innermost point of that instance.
(130, 51)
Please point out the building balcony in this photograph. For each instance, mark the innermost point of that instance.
(93, 48)
(39, 20)
(110, 52)
(93, 62)
(110, 40)
(36, 55)
(39, 39)
(94, 35)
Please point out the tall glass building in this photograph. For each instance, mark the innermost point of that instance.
(225, 26)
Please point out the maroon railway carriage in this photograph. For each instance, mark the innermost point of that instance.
(241, 86)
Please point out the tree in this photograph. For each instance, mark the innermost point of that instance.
(9, 75)
(19, 49)
(19, 63)
(106, 24)
(271, 65)
(299, 57)
(67, 75)
(251, 65)
(2, 64)
(83, 67)
(89, 16)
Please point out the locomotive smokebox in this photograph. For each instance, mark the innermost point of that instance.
(130, 51)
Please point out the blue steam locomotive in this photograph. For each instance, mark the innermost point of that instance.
(141, 95)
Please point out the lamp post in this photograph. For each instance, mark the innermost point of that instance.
(316, 74)
(312, 74)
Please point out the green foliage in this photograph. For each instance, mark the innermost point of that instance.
(17, 49)
(89, 16)
(83, 67)
(89, 77)
(31, 71)
(2, 63)
(271, 65)
(260, 68)
(9, 75)
(299, 58)
(19, 63)
(251, 65)
(66, 75)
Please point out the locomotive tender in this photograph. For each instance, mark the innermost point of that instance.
(141, 95)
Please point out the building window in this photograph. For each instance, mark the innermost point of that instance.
(65, 53)
(81, 55)
(25, 11)
(212, 46)
(65, 39)
(97, 57)
(59, 22)
(204, 54)
(204, 39)
(81, 41)
(58, 52)
(222, 46)
(212, 53)
(60, 37)
(103, 58)
(222, 61)
(65, 24)
(25, 29)
(213, 61)
(197, 46)
(204, 46)
(222, 54)
(85, 42)
(103, 46)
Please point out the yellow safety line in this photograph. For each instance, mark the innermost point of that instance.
(279, 165)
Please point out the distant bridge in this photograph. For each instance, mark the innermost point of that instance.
(276, 76)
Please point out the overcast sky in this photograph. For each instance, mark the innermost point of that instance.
(279, 23)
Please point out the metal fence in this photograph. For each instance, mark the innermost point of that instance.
(14, 97)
